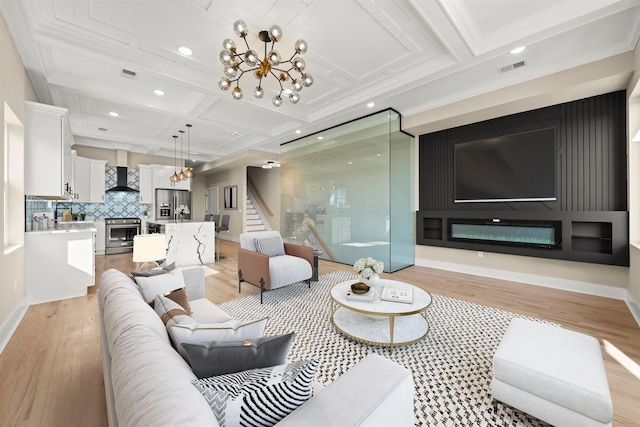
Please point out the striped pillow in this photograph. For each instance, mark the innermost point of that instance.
(259, 396)
(271, 246)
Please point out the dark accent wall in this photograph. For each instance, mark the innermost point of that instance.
(590, 215)
(591, 170)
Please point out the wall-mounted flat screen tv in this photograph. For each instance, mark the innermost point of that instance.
(519, 167)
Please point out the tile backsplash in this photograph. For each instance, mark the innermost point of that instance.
(116, 204)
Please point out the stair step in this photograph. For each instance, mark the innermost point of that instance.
(255, 227)
(254, 222)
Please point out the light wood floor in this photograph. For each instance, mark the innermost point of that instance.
(51, 369)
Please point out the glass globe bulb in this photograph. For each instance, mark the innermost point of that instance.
(241, 29)
(228, 44)
(275, 33)
(230, 72)
(307, 80)
(294, 97)
(181, 175)
(277, 100)
(189, 173)
(226, 57)
(174, 177)
(296, 85)
(273, 57)
(237, 93)
(301, 46)
(251, 57)
(259, 93)
(298, 63)
(224, 83)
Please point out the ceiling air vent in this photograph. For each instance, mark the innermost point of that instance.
(513, 66)
(129, 74)
(102, 129)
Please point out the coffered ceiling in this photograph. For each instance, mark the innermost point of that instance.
(410, 55)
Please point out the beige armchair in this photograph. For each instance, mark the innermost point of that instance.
(268, 263)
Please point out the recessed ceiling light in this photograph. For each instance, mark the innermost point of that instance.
(321, 137)
(158, 92)
(113, 114)
(185, 51)
(371, 105)
(234, 133)
(350, 163)
(517, 50)
(298, 131)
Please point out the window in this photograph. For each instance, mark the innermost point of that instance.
(13, 180)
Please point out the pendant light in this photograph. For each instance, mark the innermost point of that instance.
(181, 175)
(174, 178)
(189, 173)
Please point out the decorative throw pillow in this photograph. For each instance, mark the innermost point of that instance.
(271, 246)
(168, 309)
(227, 357)
(187, 330)
(160, 284)
(259, 396)
(162, 269)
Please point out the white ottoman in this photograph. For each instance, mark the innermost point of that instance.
(551, 373)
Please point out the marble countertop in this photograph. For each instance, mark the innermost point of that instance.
(68, 227)
(170, 221)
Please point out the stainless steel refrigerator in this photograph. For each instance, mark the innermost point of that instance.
(168, 200)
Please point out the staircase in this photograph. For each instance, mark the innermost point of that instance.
(254, 217)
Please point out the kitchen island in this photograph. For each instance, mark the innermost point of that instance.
(188, 242)
(59, 261)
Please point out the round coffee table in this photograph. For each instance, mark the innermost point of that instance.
(381, 323)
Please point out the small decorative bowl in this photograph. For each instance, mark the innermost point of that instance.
(359, 288)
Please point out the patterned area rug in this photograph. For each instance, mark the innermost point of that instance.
(452, 366)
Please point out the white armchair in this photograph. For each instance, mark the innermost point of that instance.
(268, 263)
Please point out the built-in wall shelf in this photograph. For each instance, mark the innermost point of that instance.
(597, 237)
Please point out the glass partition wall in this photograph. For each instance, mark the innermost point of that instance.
(349, 191)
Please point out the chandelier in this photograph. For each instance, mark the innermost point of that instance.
(237, 63)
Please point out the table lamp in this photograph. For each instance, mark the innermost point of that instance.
(149, 248)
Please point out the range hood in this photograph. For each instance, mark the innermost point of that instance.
(121, 166)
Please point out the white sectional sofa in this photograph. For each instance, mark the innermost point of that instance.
(148, 383)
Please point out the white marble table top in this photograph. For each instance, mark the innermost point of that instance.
(421, 299)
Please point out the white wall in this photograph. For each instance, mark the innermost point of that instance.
(15, 88)
(236, 176)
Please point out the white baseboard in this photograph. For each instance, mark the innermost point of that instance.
(531, 279)
(11, 324)
(634, 306)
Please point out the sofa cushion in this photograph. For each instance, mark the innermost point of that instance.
(286, 269)
(204, 311)
(184, 329)
(271, 246)
(228, 357)
(168, 309)
(152, 384)
(259, 396)
(123, 308)
(160, 284)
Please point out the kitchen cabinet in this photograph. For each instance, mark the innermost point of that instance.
(100, 237)
(48, 160)
(146, 184)
(59, 264)
(89, 177)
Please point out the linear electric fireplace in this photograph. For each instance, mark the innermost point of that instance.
(534, 234)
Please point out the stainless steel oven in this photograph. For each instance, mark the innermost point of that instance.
(119, 234)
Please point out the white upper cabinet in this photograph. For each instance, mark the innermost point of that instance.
(48, 161)
(89, 178)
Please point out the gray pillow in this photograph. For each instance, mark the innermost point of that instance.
(228, 357)
(271, 246)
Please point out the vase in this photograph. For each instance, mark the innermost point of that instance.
(371, 281)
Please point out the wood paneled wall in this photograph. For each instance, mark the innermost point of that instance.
(591, 169)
